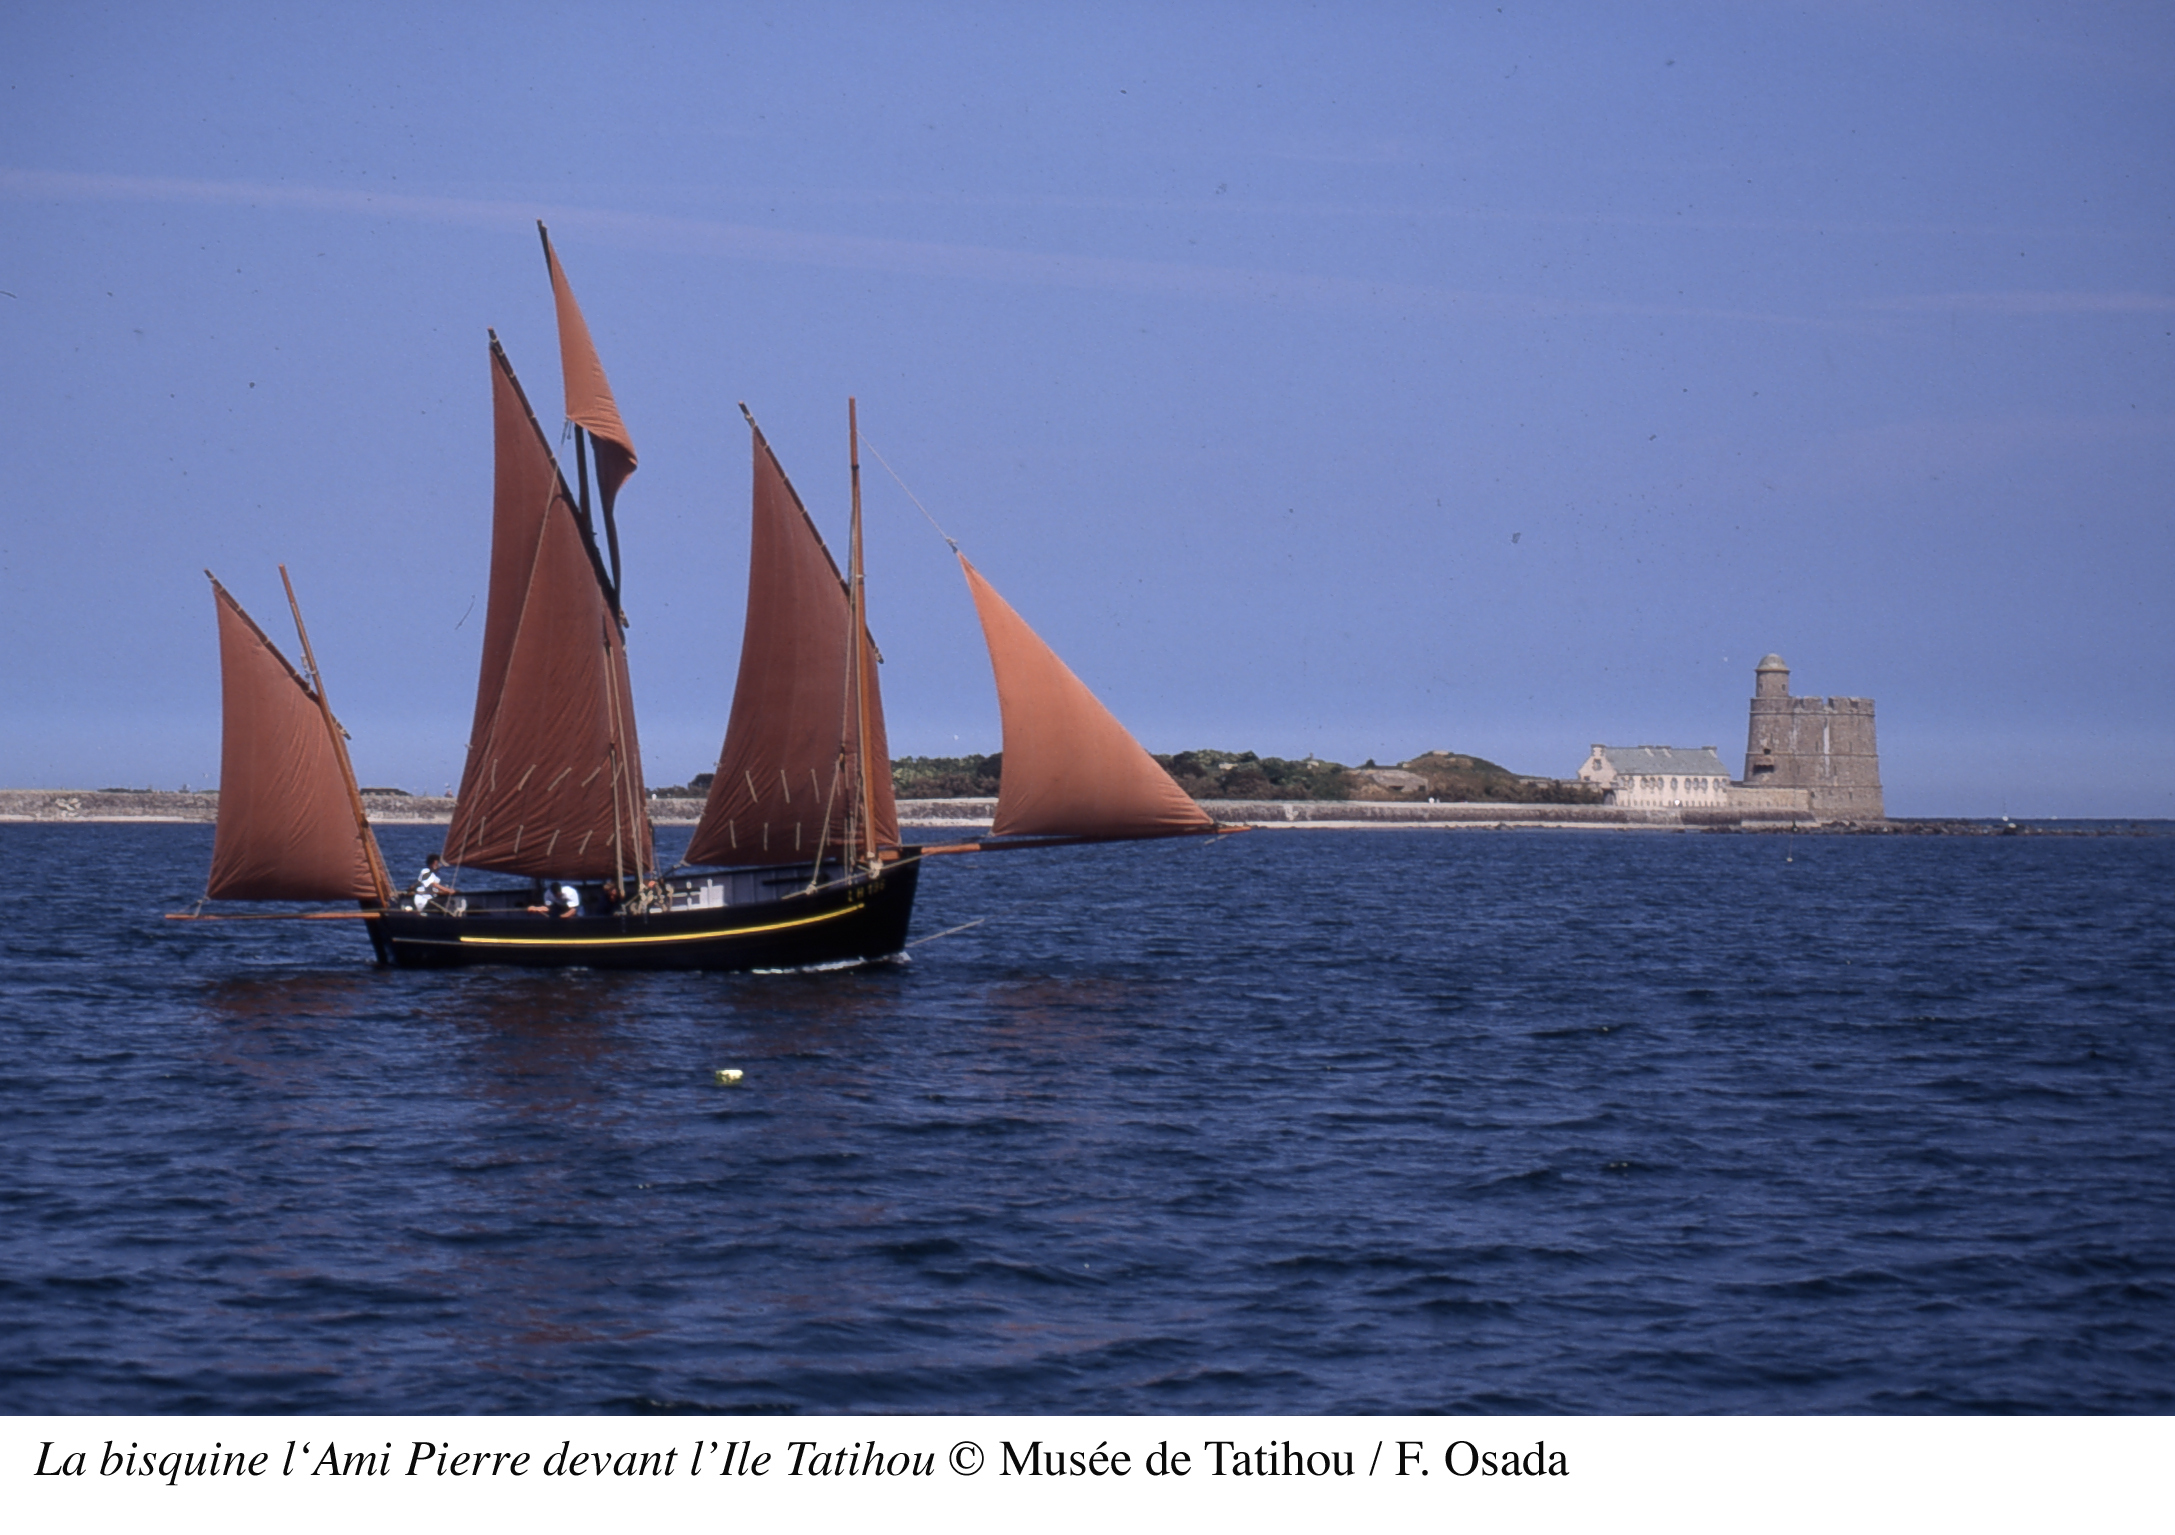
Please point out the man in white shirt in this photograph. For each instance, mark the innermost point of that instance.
(429, 885)
(560, 901)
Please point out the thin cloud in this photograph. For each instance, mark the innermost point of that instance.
(1963, 450)
(1961, 443)
(1238, 205)
(711, 237)
(2025, 303)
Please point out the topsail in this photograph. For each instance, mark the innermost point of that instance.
(589, 402)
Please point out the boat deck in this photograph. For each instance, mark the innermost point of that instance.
(704, 890)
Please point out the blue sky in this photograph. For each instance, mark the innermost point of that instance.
(1343, 379)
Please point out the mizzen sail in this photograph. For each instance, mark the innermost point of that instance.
(288, 828)
(1070, 769)
(788, 782)
(553, 782)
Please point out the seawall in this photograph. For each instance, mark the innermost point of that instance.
(1328, 815)
(91, 806)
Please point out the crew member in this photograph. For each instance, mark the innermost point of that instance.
(562, 901)
(429, 885)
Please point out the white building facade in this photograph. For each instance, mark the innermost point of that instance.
(1658, 777)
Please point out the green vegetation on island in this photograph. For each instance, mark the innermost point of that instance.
(1207, 774)
(1455, 776)
(970, 777)
(1445, 776)
(1221, 775)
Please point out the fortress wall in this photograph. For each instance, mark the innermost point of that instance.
(1796, 802)
(1825, 745)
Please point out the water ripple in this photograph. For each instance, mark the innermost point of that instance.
(1306, 1122)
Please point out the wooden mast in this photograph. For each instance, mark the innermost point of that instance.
(867, 816)
(378, 876)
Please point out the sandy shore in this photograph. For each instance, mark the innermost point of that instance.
(93, 805)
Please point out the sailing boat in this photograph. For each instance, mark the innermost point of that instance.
(797, 859)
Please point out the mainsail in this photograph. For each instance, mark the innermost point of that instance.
(289, 824)
(1070, 769)
(553, 783)
(788, 782)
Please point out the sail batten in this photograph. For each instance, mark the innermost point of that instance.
(793, 716)
(1070, 769)
(553, 741)
(287, 829)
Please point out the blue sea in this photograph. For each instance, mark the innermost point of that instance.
(1293, 1122)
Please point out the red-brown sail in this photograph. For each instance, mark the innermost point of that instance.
(787, 778)
(287, 827)
(1070, 769)
(589, 401)
(553, 783)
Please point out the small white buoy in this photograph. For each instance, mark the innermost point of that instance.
(728, 1076)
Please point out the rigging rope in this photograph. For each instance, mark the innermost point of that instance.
(823, 837)
(940, 533)
(933, 937)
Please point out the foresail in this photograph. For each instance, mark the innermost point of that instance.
(553, 782)
(589, 402)
(1070, 769)
(786, 783)
(287, 827)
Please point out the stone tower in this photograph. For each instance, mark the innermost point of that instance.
(1822, 745)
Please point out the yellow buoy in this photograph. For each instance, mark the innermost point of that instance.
(728, 1077)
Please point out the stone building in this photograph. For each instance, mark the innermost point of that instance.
(1658, 776)
(1823, 746)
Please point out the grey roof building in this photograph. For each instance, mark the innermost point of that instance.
(1658, 775)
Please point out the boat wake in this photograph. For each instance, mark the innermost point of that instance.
(822, 966)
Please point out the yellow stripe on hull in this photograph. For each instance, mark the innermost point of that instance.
(627, 940)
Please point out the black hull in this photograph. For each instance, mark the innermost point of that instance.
(857, 919)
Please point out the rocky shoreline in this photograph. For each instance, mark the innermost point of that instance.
(95, 806)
